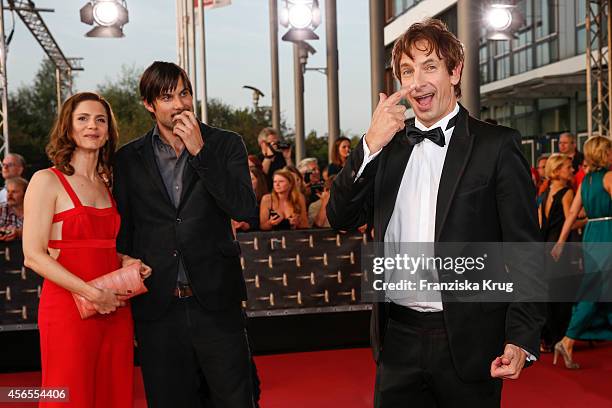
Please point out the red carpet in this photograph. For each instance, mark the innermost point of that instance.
(345, 379)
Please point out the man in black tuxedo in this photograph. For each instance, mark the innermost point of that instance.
(441, 177)
(177, 189)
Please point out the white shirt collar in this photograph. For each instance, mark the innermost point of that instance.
(441, 123)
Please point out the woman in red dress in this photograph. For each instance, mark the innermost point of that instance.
(70, 226)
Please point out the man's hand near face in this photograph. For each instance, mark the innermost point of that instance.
(387, 120)
(187, 128)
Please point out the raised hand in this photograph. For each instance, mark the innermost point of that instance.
(186, 127)
(387, 120)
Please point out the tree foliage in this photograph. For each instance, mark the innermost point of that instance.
(133, 120)
(32, 110)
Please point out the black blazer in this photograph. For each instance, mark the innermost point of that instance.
(216, 188)
(485, 195)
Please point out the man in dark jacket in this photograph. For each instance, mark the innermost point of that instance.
(177, 188)
(443, 177)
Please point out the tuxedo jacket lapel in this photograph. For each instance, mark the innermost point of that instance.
(145, 149)
(456, 159)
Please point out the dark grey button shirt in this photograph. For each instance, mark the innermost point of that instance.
(171, 169)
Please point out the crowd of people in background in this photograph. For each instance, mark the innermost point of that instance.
(296, 197)
(11, 197)
(572, 211)
(290, 196)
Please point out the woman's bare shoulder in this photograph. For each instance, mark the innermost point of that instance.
(45, 181)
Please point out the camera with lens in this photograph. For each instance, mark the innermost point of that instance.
(281, 145)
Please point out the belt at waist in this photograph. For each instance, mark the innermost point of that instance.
(600, 219)
(427, 320)
(81, 243)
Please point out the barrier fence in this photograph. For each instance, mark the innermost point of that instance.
(286, 273)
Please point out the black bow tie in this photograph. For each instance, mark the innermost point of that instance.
(436, 135)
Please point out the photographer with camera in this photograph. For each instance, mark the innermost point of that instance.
(309, 168)
(275, 154)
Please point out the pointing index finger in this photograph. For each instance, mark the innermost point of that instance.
(393, 99)
(397, 96)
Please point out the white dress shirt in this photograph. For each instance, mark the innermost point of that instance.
(414, 215)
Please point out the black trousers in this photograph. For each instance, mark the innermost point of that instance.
(192, 355)
(416, 370)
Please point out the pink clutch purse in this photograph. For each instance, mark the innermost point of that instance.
(122, 280)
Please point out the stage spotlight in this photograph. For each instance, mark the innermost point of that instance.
(302, 17)
(499, 17)
(502, 19)
(109, 16)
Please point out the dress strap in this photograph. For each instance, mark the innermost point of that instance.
(67, 187)
(81, 243)
(110, 195)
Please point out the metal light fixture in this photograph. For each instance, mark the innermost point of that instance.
(304, 51)
(499, 17)
(502, 19)
(256, 95)
(108, 16)
(302, 17)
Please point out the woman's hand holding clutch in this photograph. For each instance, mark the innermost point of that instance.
(106, 301)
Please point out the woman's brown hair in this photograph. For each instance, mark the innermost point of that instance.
(262, 184)
(336, 159)
(437, 38)
(61, 145)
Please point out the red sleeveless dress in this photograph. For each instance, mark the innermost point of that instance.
(93, 358)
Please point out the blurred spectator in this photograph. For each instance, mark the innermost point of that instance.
(567, 146)
(275, 154)
(591, 319)
(325, 173)
(254, 162)
(552, 212)
(11, 212)
(317, 214)
(341, 152)
(541, 166)
(260, 187)
(13, 165)
(258, 180)
(299, 180)
(285, 207)
(539, 177)
(309, 169)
